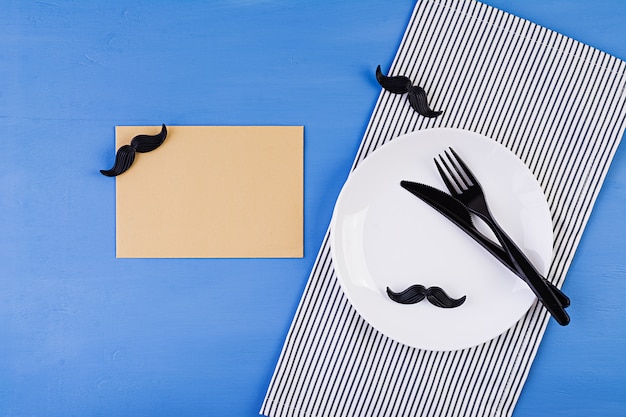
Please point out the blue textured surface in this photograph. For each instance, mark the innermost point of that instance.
(85, 334)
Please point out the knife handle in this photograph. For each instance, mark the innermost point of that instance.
(529, 274)
(505, 259)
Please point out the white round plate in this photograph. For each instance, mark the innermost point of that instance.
(383, 236)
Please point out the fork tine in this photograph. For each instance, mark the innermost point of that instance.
(466, 181)
(465, 168)
(444, 176)
(453, 171)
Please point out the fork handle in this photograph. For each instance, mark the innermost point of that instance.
(529, 274)
(505, 258)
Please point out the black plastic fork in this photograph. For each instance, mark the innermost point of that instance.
(464, 186)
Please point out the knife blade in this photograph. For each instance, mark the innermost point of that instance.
(457, 213)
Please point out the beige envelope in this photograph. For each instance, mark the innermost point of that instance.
(212, 192)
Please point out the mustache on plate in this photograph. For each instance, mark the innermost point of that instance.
(400, 84)
(416, 293)
(125, 155)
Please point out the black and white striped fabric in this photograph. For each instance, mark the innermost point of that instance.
(557, 104)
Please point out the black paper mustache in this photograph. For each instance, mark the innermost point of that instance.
(416, 293)
(125, 155)
(400, 84)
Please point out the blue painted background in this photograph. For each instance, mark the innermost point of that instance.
(85, 334)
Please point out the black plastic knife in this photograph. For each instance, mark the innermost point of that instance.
(457, 213)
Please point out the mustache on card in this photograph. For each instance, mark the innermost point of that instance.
(125, 155)
(400, 84)
(416, 293)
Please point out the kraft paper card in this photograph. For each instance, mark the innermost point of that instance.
(212, 192)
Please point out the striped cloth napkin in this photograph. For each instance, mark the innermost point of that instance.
(559, 105)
